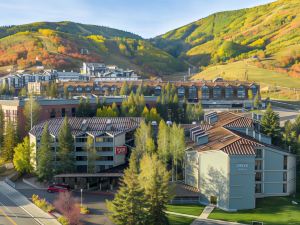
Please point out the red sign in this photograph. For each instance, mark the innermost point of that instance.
(121, 150)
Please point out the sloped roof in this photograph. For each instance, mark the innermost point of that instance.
(95, 126)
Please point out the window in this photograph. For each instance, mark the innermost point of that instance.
(258, 176)
(104, 149)
(81, 139)
(205, 92)
(258, 188)
(63, 112)
(104, 139)
(258, 165)
(258, 153)
(284, 176)
(81, 158)
(228, 92)
(193, 92)
(181, 92)
(285, 162)
(241, 93)
(284, 188)
(104, 158)
(52, 113)
(80, 149)
(217, 92)
(73, 112)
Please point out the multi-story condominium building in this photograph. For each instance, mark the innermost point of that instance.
(111, 139)
(232, 164)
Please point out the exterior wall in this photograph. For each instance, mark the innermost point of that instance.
(214, 177)
(273, 173)
(192, 169)
(242, 182)
(119, 141)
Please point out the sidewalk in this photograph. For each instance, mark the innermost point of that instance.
(206, 211)
(39, 215)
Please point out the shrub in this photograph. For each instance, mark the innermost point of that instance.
(63, 220)
(42, 203)
(84, 210)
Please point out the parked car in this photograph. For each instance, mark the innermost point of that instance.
(58, 188)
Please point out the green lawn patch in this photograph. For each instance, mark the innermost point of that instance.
(190, 209)
(179, 220)
(271, 211)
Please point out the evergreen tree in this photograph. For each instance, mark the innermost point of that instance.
(66, 92)
(130, 205)
(66, 148)
(154, 178)
(44, 167)
(270, 124)
(91, 155)
(256, 102)
(22, 154)
(32, 112)
(163, 142)
(1, 128)
(177, 148)
(10, 141)
(115, 109)
(143, 140)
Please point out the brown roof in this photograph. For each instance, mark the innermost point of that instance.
(223, 139)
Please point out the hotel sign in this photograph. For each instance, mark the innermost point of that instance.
(242, 166)
(121, 150)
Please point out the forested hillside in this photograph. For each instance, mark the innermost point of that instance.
(268, 33)
(59, 45)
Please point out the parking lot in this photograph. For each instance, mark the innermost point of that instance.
(95, 201)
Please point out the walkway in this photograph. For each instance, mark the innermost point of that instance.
(21, 210)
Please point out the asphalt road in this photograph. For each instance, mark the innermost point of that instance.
(11, 214)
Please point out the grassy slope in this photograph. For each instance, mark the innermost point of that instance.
(189, 209)
(271, 211)
(272, 28)
(236, 71)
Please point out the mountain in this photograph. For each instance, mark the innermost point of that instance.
(65, 45)
(269, 34)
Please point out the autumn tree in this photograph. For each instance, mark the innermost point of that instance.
(22, 154)
(163, 142)
(91, 155)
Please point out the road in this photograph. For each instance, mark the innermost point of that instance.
(11, 214)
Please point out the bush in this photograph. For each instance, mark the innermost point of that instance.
(63, 220)
(84, 210)
(42, 203)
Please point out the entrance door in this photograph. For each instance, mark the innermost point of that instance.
(213, 200)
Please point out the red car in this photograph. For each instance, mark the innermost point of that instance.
(58, 188)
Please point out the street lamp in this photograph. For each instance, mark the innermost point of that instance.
(81, 197)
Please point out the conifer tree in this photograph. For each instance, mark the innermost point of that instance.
(10, 141)
(124, 89)
(154, 178)
(44, 167)
(115, 109)
(22, 155)
(65, 148)
(270, 124)
(130, 205)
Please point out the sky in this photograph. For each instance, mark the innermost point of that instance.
(147, 18)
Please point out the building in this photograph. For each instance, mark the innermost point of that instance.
(111, 137)
(231, 163)
(13, 108)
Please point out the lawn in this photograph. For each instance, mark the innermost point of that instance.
(179, 220)
(189, 209)
(271, 211)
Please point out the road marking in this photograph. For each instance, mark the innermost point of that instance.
(7, 217)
